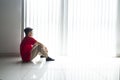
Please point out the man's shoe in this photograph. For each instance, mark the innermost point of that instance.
(49, 59)
(42, 56)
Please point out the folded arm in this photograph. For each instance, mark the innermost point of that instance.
(41, 45)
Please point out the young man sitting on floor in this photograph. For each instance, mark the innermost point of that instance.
(30, 48)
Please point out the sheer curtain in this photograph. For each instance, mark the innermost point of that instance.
(92, 27)
(74, 27)
(45, 17)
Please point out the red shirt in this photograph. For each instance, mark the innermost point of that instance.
(26, 47)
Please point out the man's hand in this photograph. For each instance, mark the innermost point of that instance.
(41, 45)
(46, 49)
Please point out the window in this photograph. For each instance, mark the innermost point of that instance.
(74, 27)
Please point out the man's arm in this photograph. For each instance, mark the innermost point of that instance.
(38, 43)
(42, 46)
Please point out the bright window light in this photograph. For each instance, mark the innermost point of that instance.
(84, 28)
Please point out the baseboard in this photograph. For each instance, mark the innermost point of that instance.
(118, 55)
(9, 54)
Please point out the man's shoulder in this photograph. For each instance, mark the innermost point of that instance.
(28, 37)
(31, 38)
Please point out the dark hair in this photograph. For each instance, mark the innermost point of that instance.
(27, 30)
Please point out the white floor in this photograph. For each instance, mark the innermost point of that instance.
(64, 68)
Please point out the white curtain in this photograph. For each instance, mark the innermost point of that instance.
(83, 28)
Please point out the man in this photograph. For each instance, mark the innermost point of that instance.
(30, 48)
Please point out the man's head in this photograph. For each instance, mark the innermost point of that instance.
(28, 31)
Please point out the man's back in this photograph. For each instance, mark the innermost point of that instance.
(26, 47)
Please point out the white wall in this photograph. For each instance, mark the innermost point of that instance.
(10, 25)
(118, 30)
